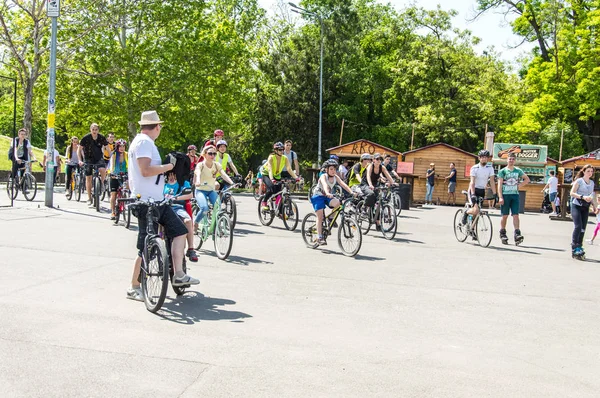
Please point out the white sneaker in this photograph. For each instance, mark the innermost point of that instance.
(552, 214)
(589, 241)
(135, 294)
(185, 281)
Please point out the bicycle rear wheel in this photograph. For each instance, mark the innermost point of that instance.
(223, 236)
(290, 214)
(266, 217)
(70, 188)
(256, 192)
(460, 231)
(127, 216)
(484, 230)
(388, 221)
(397, 201)
(11, 188)
(29, 186)
(155, 274)
(309, 230)
(364, 217)
(349, 237)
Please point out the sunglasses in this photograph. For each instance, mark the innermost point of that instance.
(380, 159)
(211, 153)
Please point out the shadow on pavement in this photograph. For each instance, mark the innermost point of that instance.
(411, 217)
(238, 222)
(97, 215)
(542, 248)
(241, 231)
(358, 256)
(513, 249)
(400, 239)
(245, 260)
(194, 307)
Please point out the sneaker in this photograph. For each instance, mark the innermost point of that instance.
(265, 206)
(378, 228)
(191, 254)
(113, 217)
(589, 241)
(552, 214)
(185, 280)
(135, 294)
(90, 202)
(322, 242)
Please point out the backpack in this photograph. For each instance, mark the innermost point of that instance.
(182, 167)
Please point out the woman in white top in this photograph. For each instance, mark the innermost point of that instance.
(205, 178)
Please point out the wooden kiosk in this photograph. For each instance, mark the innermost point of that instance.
(441, 154)
(354, 149)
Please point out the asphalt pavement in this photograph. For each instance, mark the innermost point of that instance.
(420, 316)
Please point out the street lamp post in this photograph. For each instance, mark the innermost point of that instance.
(53, 11)
(302, 11)
(14, 80)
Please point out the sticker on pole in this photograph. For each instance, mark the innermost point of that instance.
(53, 8)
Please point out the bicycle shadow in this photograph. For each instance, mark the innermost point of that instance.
(409, 217)
(238, 222)
(404, 240)
(511, 249)
(193, 307)
(240, 260)
(242, 231)
(542, 248)
(81, 213)
(357, 257)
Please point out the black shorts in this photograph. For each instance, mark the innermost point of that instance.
(115, 183)
(89, 167)
(478, 197)
(172, 224)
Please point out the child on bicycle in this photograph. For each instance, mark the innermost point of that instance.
(323, 195)
(172, 189)
(117, 165)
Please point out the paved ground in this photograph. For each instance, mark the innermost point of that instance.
(421, 316)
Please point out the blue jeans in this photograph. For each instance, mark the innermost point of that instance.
(429, 194)
(202, 198)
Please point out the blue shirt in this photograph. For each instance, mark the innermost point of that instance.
(174, 190)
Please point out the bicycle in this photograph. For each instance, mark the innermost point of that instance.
(26, 182)
(77, 184)
(393, 197)
(216, 224)
(280, 205)
(349, 233)
(97, 187)
(121, 207)
(477, 227)
(157, 266)
(381, 211)
(228, 202)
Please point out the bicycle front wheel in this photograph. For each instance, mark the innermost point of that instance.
(223, 236)
(231, 209)
(309, 230)
(349, 237)
(155, 274)
(256, 192)
(97, 193)
(290, 214)
(70, 188)
(127, 216)
(78, 188)
(484, 230)
(460, 231)
(364, 218)
(29, 186)
(388, 221)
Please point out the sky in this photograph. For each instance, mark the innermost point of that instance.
(492, 28)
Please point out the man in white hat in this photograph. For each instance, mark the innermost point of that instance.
(145, 165)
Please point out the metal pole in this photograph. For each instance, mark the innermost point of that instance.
(562, 135)
(321, 95)
(412, 137)
(51, 109)
(12, 193)
(342, 131)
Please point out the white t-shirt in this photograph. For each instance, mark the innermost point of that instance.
(143, 146)
(342, 170)
(56, 154)
(482, 174)
(553, 184)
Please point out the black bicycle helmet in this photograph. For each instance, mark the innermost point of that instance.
(484, 152)
(329, 162)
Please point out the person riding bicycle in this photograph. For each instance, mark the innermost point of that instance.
(173, 189)
(274, 167)
(194, 159)
(224, 159)
(144, 167)
(90, 148)
(109, 149)
(72, 162)
(323, 196)
(354, 176)
(117, 166)
(20, 152)
(205, 179)
(480, 174)
(259, 175)
(323, 169)
(371, 178)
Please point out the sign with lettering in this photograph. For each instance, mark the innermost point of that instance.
(568, 176)
(405, 168)
(357, 148)
(53, 8)
(525, 153)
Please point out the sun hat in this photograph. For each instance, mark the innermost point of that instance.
(149, 117)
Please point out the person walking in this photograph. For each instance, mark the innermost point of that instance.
(510, 179)
(91, 149)
(552, 187)
(429, 184)
(292, 158)
(591, 241)
(451, 178)
(582, 198)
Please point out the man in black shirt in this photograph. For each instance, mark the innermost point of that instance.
(91, 149)
(386, 162)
